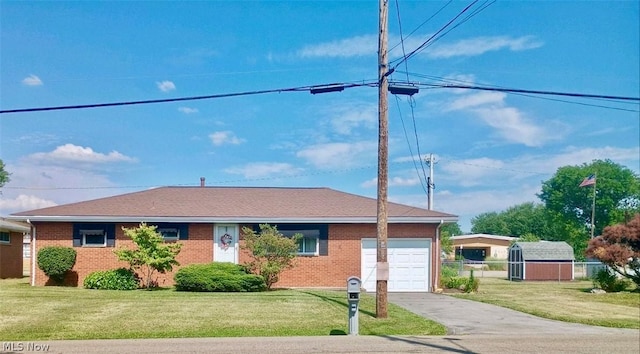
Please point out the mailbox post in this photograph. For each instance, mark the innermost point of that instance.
(353, 297)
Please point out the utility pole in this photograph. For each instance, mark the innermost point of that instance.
(430, 185)
(382, 266)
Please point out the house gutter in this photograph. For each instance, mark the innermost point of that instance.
(438, 252)
(32, 244)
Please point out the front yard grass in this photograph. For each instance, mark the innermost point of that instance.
(563, 301)
(51, 313)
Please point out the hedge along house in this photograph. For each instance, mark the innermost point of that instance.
(339, 232)
(542, 260)
(11, 237)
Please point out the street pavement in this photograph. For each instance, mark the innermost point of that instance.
(473, 328)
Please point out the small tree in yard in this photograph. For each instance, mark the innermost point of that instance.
(270, 251)
(152, 253)
(619, 248)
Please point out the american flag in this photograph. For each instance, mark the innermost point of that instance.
(589, 181)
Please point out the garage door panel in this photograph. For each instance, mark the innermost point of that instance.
(408, 264)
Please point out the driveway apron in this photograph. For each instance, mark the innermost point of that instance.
(462, 316)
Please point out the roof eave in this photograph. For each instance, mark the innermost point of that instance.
(247, 220)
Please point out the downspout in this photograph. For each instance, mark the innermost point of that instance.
(436, 282)
(32, 244)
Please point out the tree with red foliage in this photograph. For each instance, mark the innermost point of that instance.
(619, 248)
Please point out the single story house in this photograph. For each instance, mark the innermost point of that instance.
(11, 236)
(339, 232)
(478, 247)
(543, 260)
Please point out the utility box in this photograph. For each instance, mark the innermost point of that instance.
(353, 296)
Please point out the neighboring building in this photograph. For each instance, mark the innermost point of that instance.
(339, 232)
(478, 247)
(11, 236)
(542, 260)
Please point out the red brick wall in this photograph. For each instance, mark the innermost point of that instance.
(333, 270)
(11, 257)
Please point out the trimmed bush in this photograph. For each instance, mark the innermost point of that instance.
(114, 279)
(471, 284)
(608, 281)
(454, 282)
(56, 261)
(217, 277)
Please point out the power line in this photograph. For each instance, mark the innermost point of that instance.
(179, 99)
(536, 92)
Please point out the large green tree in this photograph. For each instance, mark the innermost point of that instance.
(4, 175)
(518, 220)
(617, 191)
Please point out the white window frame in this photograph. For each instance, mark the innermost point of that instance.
(175, 230)
(84, 234)
(8, 240)
(290, 233)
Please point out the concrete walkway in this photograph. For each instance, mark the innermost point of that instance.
(471, 317)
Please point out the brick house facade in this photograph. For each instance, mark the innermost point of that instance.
(11, 237)
(335, 222)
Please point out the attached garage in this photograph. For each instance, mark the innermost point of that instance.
(409, 264)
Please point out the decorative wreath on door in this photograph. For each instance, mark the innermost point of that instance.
(225, 241)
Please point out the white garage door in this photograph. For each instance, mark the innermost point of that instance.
(408, 264)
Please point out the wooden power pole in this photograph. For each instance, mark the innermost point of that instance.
(382, 266)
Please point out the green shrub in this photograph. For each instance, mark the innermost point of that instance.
(471, 284)
(449, 270)
(56, 261)
(608, 281)
(114, 279)
(453, 282)
(218, 277)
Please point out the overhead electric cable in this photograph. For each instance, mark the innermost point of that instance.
(179, 99)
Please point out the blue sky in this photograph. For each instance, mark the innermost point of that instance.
(492, 149)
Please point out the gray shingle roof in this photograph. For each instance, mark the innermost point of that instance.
(234, 204)
(545, 251)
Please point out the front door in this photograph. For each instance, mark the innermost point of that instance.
(225, 239)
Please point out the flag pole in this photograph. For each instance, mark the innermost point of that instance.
(593, 205)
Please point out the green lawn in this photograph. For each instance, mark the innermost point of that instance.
(563, 301)
(48, 313)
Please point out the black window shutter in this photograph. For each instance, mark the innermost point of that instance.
(77, 238)
(110, 229)
(323, 241)
(184, 231)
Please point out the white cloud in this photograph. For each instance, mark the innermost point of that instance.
(166, 86)
(70, 153)
(339, 155)
(39, 184)
(188, 110)
(225, 137)
(32, 80)
(264, 169)
(509, 122)
(480, 45)
(344, 120)
(393, 182)
(478, 99)
(24, 202)
(344, 48)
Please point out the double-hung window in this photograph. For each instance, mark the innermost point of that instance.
(308, 243)
(93, 238)
(169, 234)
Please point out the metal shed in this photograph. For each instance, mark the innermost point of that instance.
(542, 260)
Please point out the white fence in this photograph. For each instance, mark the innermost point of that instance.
(498, 269)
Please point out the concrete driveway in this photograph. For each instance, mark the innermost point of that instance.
(470, 317)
